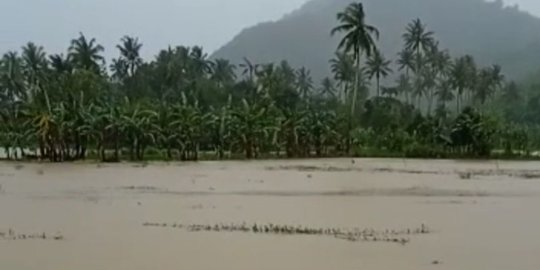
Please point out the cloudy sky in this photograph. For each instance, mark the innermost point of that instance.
(158, 23)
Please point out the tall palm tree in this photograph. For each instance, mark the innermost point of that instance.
(444, 93)
(489, 80)
(266, 77)
(304, 82)
(34, 60)
(86, 54)
(130, 48)
(404, 86)
(378, 67)
(471, 76)
(287, 73)
(417, 38)
(249, 69)
(60, 64)
(120, 69)
(438, 64)
(199, 61)
(327, 88)
(496, 76)
(34, 63)
(511, 94)
(11, 76)
(359, 37)
(406, 61)
(458, 77)
(223, 72)
(342, 66)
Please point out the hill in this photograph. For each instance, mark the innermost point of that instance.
(489, 31)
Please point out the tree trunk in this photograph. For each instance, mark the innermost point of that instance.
(196, 152)
(183, 153)
(353, 103)
(41, 149)
(378, 86)
(137, 149)
(23, 154)
(430, 101)
(458, 103)
(318, 147)
(407, 98)
(132, 150)
(249, 148)
(102, 154)
(83, 152)
(142, 149)
(221, 153)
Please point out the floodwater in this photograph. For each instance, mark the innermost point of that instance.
(480, 215)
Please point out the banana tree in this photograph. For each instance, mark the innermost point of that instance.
(138, 127)
(252, 126)
(320, 127)
(221, 125)
(190, 122)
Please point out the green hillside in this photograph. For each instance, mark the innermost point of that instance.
(487, 30)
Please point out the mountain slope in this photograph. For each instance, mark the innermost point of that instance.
(487, 30)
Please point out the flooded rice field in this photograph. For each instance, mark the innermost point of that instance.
(311, 214)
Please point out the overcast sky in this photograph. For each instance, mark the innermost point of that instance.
(158, 23)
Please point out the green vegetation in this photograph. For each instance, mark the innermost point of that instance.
(488, 30)
(183, 106)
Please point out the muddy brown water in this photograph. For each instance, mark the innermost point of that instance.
(481, 215)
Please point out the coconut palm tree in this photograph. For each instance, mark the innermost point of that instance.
(120, 69)
(496, 76)
(378, 67)
(249, 69)
(130, 48)
(488, 81)
(223, 72)
(34, 62)
(359, 37)
(61, 64)
(444, 93)
(12, 80)
(404, 86)
(406, 61)
(199, 62)
(342, 66)
(327, 89)
(34, 65)
(471, 77)
(304, 82)
(86, 54)
(511, 93)
(417, 38)
(436, 72)
(458, 77)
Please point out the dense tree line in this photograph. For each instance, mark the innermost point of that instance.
(183, 105)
